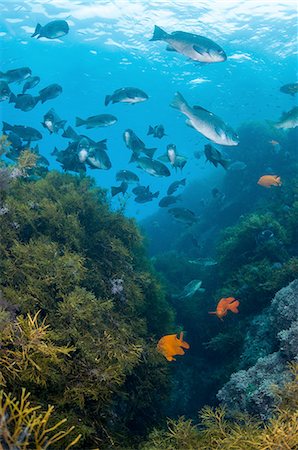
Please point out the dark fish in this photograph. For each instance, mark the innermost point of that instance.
(126, 95)
(16, 75)
(205, 122)
(140, 190)
(70, 133)
(30, 83)
(86, 147)
(49, 92)
(168, 200)
(102, 120)
(134, 143)
(146, 196)
(69, 159)
(290, 88)
(184, 215)
(127, 176)
(174, 186)
(52, 30)
(25, 133)
(198, 48)
(5, 91)
(153, 167)
(24, 102)
(158, 131)
(98, 159)
(288, 119)
(177, 161)
(52, 122)
(117, 189)
(215, 157)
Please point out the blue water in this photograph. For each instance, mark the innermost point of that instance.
(108, 47)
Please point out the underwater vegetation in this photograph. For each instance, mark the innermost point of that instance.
(217, 431)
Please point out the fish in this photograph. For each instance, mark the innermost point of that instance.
(30, 83)
(288, 119)
(174, 186)
(52, 30)
(49, 92)
(16, 75)
(127, 176)
(184, 215)
(191, 288)
(269, 180)
(224, 305)
(52, 122)
(176, 161)
(98, 159)
(129, 95)
(24, 102)
(170, 346)
(236, 166)
(205, 122)
(134, 143)
(25, 133)
(101, 120)
(140, 190)
(264, 236)
(158, 131)
(146, 196)
(117, 189)
(214, 156)
(5, 91)
(69, 159)
(195, 47)
(197, 154)
(290, 88)
(168, 200)
(153, 167)
(205, 262)
(70, 133)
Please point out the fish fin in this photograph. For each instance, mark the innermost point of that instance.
(37, 30)
(180, 351)
(70, 133)
(225, 163)
(183, 181)
(6, 126)
(12, 98)
(198, 49)
(163, 158)
(134, 157)
(62, 123)
(102, 144)
(189, 123)
(55, 151)
(79, 122)
(107, 99)
(156, 194)
(116, 190)
(169, 48)
(158, 34)
(151, 130)
(178, 101)
(149, 152)
(201, 108)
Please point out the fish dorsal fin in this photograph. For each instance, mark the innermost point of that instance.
(201, 108)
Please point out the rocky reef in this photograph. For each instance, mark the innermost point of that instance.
(276, 328)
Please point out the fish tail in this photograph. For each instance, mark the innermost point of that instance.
(179, 102)
(182, 182)
(149, 152)
(80, 122)
(151, 130)
(134, 157)
(6, 126)
(225, 163)
(116, 190)
(156, 194)
(55, 151)
(158, 34)
(102, 144)
(37, 30)
(107, 99)
(234, 307)
(213, 313)
(12, 98)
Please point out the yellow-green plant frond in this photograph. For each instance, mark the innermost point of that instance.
(27, 160)
(27, 351)
(4, 144)
(24, 427)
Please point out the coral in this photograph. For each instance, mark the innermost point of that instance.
(276, 328)
(23, 426)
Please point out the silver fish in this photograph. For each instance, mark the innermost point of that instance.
(288, 119)
(126, 95)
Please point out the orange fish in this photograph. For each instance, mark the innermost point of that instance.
(224, 305)
(170, 346)
(270, 180)
(273, 142)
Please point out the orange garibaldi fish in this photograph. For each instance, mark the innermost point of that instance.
(270, 180)
(170, 346)
(224, 305)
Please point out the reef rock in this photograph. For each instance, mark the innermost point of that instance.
(276, 329)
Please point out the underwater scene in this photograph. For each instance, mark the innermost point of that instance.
(148, 225)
